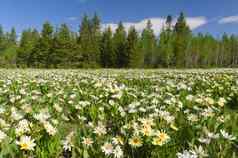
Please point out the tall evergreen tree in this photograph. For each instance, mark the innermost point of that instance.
(62, 47)
(169, 21)
(96, 38)
(84, 40)
(3, 62)
(13, 36)
(166, 41)
(119, 42)
(176, 46)
(181, 43)
(28, 40)
(134, 54)
(10, 49)
(89, 40)
(108, 56)
(165, 48)
(148, 44)
(42, 52)
(2, 39)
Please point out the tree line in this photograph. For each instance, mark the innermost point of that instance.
(92, 47)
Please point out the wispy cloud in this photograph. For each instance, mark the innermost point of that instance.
(72, 18)
(158, 23)
(228, 19)
(196, 22)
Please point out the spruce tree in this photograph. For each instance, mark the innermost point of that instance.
(10, 50)
(2, 39)
(119, 44)
(96, 39)
(166, 41)
(42, 52)
(108, 56)
(89, 41)
(148, 45)
(169, 21)
(13, 36)
(28, 40)
(62, 47)
(181, 43)
(134, 54)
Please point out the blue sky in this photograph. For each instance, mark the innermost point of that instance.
(213, 16)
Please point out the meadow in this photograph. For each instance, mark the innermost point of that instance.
(119, 113)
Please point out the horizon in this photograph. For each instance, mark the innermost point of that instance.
(199, 16)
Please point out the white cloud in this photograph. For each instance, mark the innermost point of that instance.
(196, 22)
(158, 23)
(228, 19)
(73, 18)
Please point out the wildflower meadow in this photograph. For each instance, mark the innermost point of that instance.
(119, 113)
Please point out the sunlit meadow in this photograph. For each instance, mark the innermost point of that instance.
(119, 113)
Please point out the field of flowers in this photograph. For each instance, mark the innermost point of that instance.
(119, 113)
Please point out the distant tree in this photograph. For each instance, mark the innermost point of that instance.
(181, 43)
(226, 50)
(119, 44)
(234, 50)
(149, 45)
(108, 56)
(134, 53)
(84, 40)
(169, 21)
(13, 36)
(2, 39)
(27, 43)
(96, 38)
(62, 47)
(89, 40)
(193, 58)
(91, 47)
(166, 49)
(166, 44)
(10, 50)
(41, 55)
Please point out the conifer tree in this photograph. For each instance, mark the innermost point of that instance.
(176, 46)
(181, 43)
(2, 39)
(10, 48)
(148, 45)
(119, 44)
(134, 54)
(62, 47)
(41, 54)
(96, 38)
(13, 36)
(108, 56)
(27, 43)
(89, 40)
(166, 41)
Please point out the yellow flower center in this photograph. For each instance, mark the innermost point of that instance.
(136, 141)
(163, 136)
(157, 141)
(24, 146)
